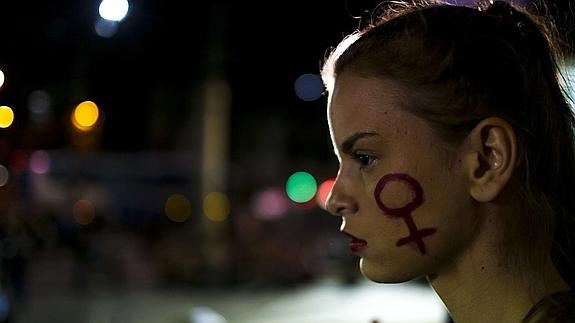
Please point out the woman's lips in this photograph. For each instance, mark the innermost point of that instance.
(356, 244)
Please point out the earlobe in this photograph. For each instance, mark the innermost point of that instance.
(491, 158)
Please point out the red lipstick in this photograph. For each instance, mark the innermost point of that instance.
(355, 244)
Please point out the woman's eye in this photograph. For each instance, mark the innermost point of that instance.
(364, 159)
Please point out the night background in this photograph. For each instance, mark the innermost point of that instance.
(196, 193)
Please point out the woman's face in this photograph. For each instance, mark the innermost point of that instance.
(400, 190)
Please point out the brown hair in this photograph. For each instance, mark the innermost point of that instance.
(461, 64)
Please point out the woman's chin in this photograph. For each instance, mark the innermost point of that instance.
(380, 273)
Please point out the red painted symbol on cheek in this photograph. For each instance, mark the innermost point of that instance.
(415, 235)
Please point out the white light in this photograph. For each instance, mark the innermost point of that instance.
(1, 78)
(114, 10)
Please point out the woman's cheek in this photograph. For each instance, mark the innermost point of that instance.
(397, 195)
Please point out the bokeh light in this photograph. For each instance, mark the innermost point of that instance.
(309, 87)
(4, 175)
(6, 116)
(178, 208)
(84, 212)
(113, 10)
(85, 115)
(323, 192)
(301, 187)
(216, 206)
(40, 162)
(1, 78)
(271, 203)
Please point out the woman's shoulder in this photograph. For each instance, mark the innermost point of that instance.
(556, 308)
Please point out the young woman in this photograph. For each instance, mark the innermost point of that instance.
(457, 156)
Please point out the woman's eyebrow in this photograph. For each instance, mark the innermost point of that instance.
(350, 141)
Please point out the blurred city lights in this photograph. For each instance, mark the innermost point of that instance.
(1, 78)
(113, 10)
(323, 192)
(309, 87)
(216, 206)
(178, 208)
(40, 162)
(4, 175)
(39, 105)
(85, 115)
(6, 116)
(271, 203)
(84, 212)
(301, 187)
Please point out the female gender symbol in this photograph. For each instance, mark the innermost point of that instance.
(404, 212)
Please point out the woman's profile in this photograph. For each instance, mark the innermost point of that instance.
(457, 157)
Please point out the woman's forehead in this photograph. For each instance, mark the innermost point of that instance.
(362, 99)
(373, 105)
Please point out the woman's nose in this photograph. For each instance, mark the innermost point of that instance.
(340, 201)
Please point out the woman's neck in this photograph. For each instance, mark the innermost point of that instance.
(478, 288)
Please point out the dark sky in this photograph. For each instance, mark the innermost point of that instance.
(161, 55)
(167, 50)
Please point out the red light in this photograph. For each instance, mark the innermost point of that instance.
(324, 191)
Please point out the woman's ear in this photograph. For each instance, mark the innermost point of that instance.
(490, 158)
